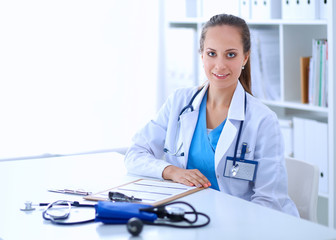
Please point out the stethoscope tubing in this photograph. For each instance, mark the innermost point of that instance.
(190, 106)
(238, 137)
(66, 203)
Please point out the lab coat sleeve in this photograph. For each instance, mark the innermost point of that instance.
(271, 186)
(145, 155)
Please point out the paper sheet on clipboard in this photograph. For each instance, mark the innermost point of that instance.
(153, 192)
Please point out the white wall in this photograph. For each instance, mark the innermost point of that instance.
(75, 75)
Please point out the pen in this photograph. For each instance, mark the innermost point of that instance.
(69, 191)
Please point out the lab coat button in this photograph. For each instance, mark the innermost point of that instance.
(217, 176)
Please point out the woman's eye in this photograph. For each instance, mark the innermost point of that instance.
(231, 55)
(211, 54)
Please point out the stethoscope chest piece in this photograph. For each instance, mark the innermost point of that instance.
(28, 207)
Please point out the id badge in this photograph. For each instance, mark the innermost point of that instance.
(244, 169)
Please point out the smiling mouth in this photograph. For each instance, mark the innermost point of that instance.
(221, 76)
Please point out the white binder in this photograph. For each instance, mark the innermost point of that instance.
(245, 9)
(288, 9)
(323, 5)
(303, 9)
(311, 145)
(308, 9)
(265, 9)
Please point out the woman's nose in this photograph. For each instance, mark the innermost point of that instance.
(220, 63)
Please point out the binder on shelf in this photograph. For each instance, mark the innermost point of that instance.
(303, 9)
(304, 72)
(288, 11)
(323, 7)
(265, 9)
(318, 74)
(310, 142)
(308, 9)
(245, 9)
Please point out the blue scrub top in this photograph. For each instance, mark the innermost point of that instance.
(203, 146)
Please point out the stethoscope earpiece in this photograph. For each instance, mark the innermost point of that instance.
(134, 226)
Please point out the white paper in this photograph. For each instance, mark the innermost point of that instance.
(150, 191)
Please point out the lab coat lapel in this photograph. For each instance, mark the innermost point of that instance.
(230, 130)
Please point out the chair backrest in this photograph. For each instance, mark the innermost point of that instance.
(303, 181)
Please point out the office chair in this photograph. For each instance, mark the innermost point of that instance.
(303, 180)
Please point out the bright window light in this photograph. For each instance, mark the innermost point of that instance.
(75, 75)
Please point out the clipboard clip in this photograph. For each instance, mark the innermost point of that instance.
(120, 197)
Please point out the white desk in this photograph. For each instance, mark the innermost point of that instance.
(231, 218)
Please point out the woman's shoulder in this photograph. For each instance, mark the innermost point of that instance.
(177, 99)
(258, 109)
(183, 94)
(185, 90)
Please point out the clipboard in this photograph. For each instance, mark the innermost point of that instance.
(152, 192)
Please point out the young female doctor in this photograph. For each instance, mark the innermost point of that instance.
(217, 135)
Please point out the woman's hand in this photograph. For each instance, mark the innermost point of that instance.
(189, 177)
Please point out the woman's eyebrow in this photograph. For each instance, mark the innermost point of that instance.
(227, 50)
(231, 49)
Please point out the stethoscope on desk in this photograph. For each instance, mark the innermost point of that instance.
(166, 215)
(189, 106)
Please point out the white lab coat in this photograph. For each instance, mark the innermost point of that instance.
(260, 131)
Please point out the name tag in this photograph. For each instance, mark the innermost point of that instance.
(243, 169)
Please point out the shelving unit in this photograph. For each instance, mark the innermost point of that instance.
(295, 40)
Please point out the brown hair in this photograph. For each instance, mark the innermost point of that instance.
(226, 19)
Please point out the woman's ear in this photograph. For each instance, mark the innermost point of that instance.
(202, 59)
(247, 55)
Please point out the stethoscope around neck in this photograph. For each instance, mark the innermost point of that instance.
(178, 153)
(189, 106)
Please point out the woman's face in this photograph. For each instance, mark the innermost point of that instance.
(223, 56)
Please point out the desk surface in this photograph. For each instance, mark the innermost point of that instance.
(231, 217)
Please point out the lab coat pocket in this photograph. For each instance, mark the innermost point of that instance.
(240, 188)
(249, 155)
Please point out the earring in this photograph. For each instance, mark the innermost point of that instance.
(243, 67)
